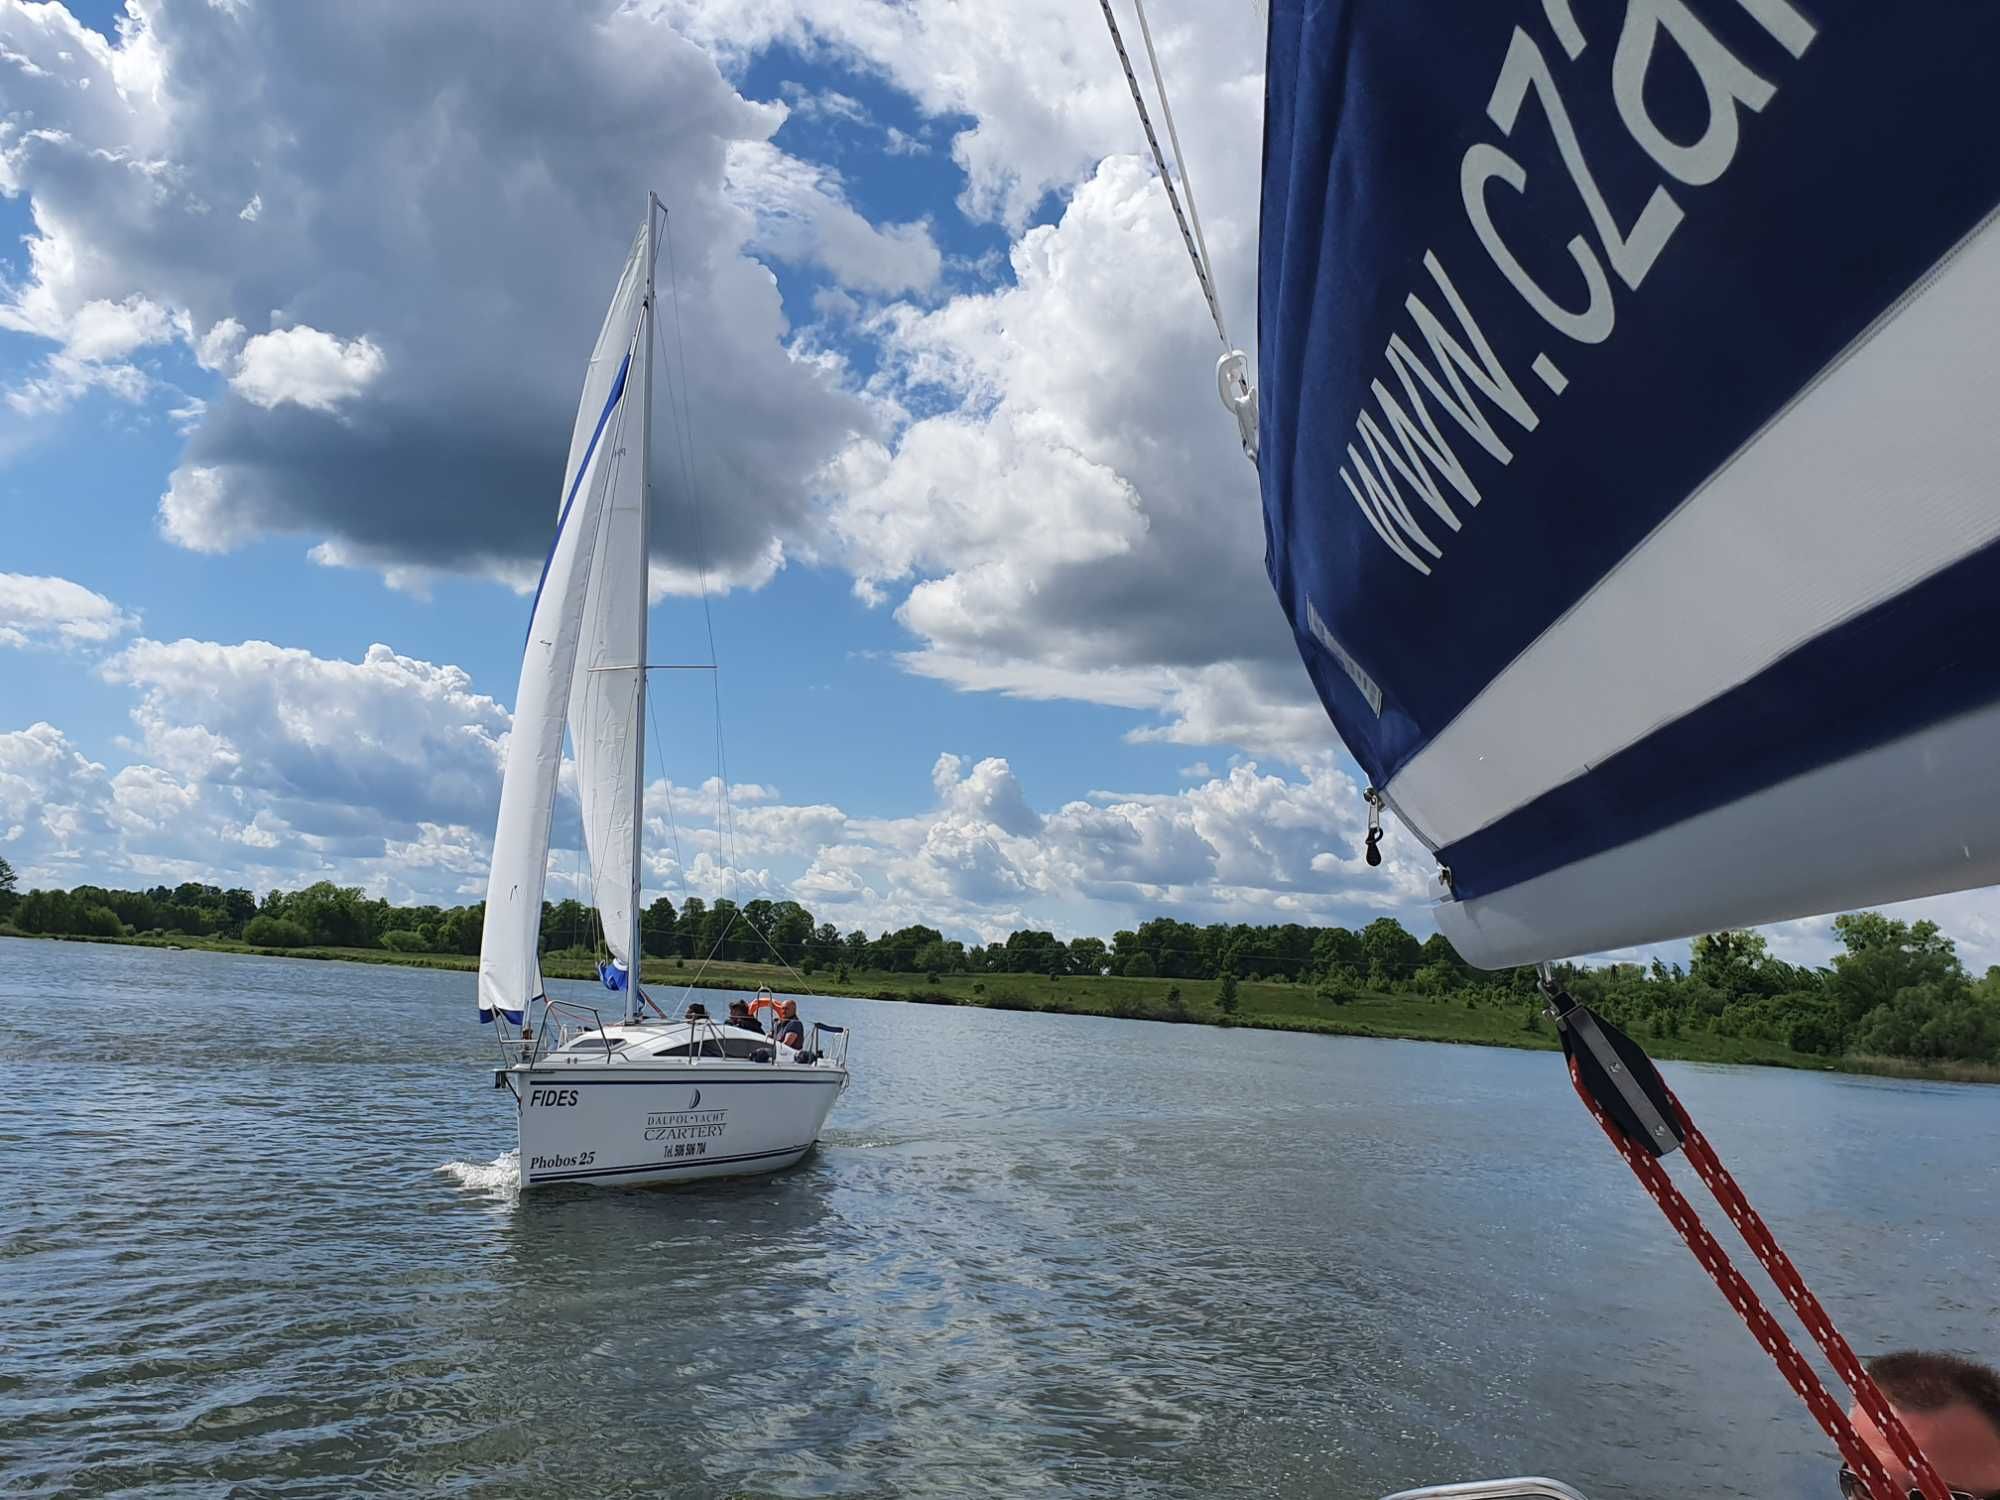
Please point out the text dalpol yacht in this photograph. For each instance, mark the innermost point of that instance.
(647, 1097)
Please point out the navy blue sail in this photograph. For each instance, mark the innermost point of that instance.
(1630, 465)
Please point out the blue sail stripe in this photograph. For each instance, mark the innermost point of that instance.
(576, 483)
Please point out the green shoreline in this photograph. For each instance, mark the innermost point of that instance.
(1262, 1005)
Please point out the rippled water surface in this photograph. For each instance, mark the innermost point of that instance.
(256, 1237)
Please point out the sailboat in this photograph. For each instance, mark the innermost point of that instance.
(647, 1096)
(1631, 487)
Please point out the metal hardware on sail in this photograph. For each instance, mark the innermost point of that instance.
(1239, 397)
(1373, 853)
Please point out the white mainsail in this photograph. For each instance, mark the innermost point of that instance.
(569, 615)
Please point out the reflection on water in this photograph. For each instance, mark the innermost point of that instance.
(260, 1231)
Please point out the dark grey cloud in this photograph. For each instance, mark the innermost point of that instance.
(456, 184)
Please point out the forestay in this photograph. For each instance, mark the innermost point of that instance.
(1629, 469)
(570, 609)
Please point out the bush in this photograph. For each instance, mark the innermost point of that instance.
(1333, 990)
(99, 921)
(402, 940)
(275, 932)
(979, 988)
(1175, 1003)
(1140, 966)
(808, 964)
(842, 975)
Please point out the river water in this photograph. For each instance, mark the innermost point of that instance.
(256, 1237)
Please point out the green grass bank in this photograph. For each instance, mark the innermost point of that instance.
(1261, 1005)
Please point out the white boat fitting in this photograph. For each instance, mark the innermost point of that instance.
(667, 1101)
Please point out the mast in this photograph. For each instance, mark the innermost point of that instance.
(632, 1007)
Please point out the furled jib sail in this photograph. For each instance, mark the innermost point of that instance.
(1630, 470)
(568, 611)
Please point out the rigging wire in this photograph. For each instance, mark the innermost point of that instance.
(1197, 247)
(1180, 160)
(1233, 384)
(667, 783)
(725, 816)
(678, 392)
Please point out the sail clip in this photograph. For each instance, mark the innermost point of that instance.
(1232, 383)
(1373, 852)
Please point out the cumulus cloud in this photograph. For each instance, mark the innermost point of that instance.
(1037, 79)
(386, 738)
(305, 366)
(402, 303)
(1104, 539)
(1037, 477)
(54, 803)
(802, 215)
(44, 611)
(823, 104)
(261, 764)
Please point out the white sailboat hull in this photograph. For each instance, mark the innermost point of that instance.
(672, 1123)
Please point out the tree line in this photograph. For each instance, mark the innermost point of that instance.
(1896, 989)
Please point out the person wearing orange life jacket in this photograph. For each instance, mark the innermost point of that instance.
(791, 1030)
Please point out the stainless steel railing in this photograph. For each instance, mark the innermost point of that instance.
(566, 1019)
(565, 1022)
(833, 1053)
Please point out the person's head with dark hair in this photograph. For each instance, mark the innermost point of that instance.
(1951, 1406)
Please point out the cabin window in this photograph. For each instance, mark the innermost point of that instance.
(743, 1048)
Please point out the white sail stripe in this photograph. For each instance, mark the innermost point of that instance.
(1877, 478)
(1922, 806)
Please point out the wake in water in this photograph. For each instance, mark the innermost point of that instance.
(501, 1175)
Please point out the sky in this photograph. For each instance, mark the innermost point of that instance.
(294, 308)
